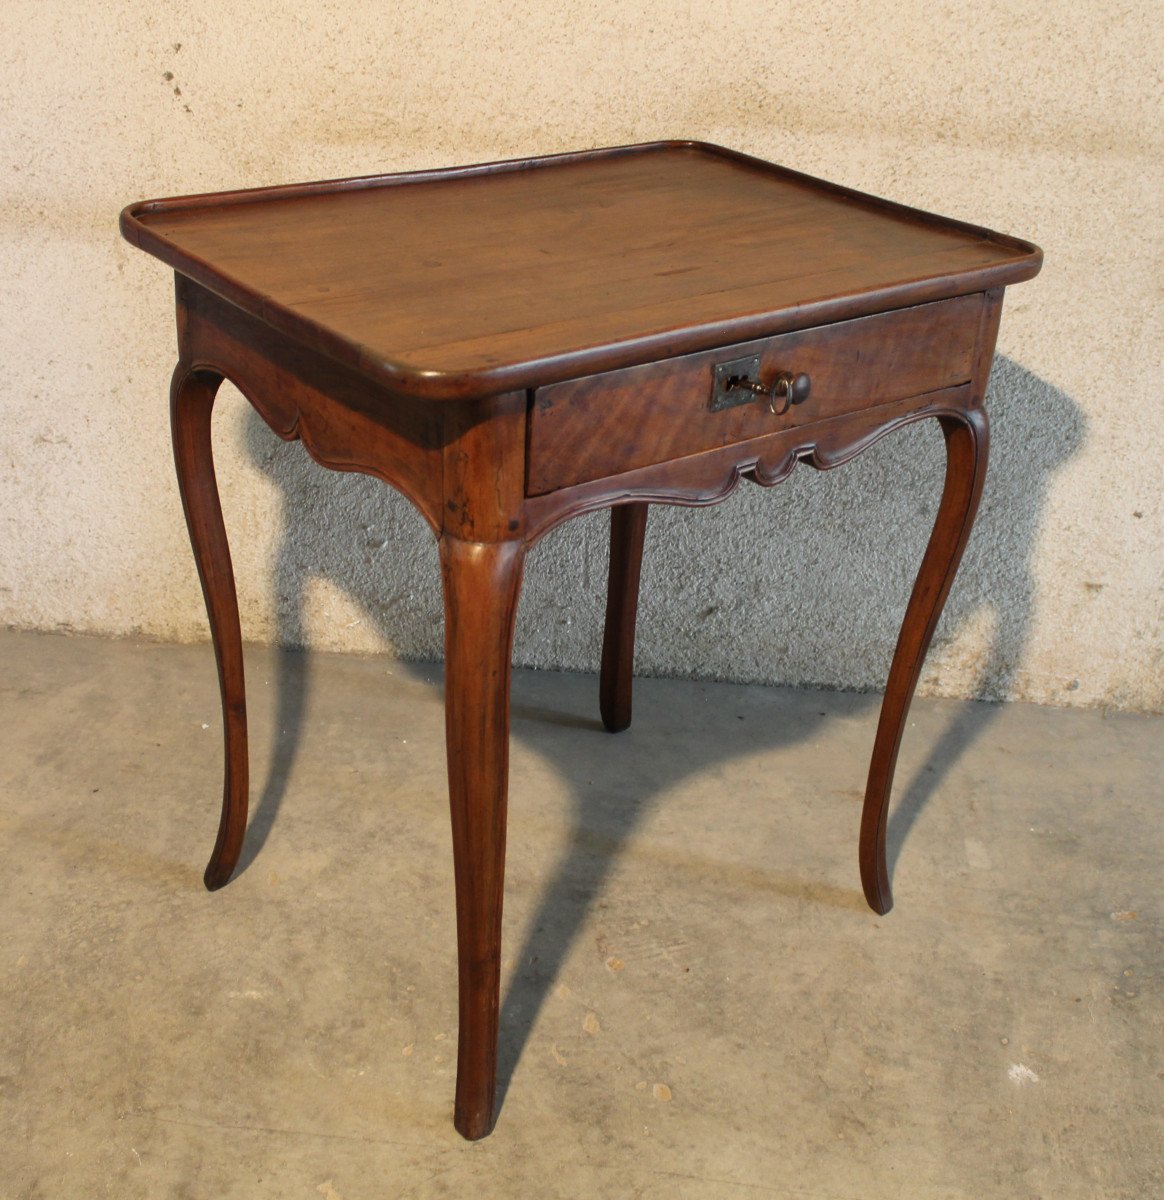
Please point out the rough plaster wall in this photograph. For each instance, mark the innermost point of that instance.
(1040, 120)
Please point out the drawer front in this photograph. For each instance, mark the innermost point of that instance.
(586, 429)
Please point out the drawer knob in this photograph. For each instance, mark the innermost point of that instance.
(737, 381)
(786, 390)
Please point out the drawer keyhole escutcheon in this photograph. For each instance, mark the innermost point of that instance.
(737, 382)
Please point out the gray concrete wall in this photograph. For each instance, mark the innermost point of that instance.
(1043, 121)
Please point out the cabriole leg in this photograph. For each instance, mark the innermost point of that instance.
(192, 395)
(481, 585)
(967, 440)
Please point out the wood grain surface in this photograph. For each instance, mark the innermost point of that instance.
(583, 429)
(473, 282)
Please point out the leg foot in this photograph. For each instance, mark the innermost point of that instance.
(481, 585)
(967, 439)
(192, 395)
(628, 524)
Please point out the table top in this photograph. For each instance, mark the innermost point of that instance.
(478, 280)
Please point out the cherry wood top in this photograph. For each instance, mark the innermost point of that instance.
(474, 281)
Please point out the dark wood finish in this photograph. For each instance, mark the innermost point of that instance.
(967, 439)
(589, 428)
(710, 477)
(481, 584)
(513, 275)
(628, 527)
(192, 395)
(344, 421)
(421, 328)
(967, 436)
(484, 469)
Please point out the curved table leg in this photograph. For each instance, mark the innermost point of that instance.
(628, 525)
(481, 585)
(967, 441)
(192, 395)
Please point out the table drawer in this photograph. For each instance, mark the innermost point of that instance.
(600, 425)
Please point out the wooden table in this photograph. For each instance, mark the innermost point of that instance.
(513, 344)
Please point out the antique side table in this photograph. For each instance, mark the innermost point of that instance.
(513, 344)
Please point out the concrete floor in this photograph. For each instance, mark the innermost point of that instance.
(697, 1002)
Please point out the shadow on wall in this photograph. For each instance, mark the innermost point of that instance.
(815, 571)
